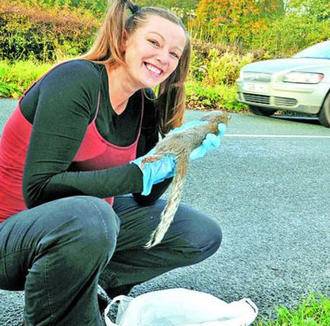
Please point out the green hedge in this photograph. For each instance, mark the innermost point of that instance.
(33, 32)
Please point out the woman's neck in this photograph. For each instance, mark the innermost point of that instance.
(120, 88)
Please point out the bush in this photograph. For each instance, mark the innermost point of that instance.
(202, 97)
(214, 64)
(43, 34)
(97, 7)
(224, 69)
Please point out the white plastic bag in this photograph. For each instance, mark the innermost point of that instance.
(182, 307)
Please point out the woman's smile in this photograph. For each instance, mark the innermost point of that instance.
(154, 71)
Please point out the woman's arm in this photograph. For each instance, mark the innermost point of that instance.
(66, 105)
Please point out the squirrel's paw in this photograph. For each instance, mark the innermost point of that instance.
(151, 158)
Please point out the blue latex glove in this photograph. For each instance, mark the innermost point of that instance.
(210, 142)
(155, 172)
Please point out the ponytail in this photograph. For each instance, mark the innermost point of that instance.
(107, 46)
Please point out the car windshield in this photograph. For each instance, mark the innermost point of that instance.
(317, 51)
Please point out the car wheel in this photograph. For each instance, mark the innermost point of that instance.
(261, 111)
(324, 115)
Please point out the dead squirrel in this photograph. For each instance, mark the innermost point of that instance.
(180, 144)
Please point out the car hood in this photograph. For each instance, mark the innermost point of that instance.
(273, 66)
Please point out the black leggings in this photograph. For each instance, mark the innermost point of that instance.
(59, 251)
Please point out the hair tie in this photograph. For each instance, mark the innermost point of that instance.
(132, 7)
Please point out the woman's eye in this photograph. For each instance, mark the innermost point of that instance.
(175, 55)
(154, 42)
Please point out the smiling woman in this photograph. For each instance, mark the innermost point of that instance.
(69, 158)
(150, 57)
(157, 35)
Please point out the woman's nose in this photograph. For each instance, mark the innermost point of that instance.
(163, 57)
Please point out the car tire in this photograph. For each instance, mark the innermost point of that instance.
(324, 115)
(261, 111)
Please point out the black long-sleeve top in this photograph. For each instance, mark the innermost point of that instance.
(60, 106)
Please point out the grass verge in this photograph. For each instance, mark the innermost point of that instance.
(16, 77)
(314, 310)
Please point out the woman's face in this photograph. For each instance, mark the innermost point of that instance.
(153, 51)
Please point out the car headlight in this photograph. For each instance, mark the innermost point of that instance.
(303, 77)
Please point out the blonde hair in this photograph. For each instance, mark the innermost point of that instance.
(106, 49)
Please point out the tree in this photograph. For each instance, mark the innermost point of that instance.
(234, 21)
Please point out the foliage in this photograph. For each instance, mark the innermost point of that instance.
(279, 27)
(313, 311)
(233, 21)
(32, 32)
(48, 30)
(203, 97)
(53, 29)
(184, 9)
(15, 78)
(287, 36)
(224, 69)
(186, 5)
(319, 9)
(213, 65)
(98, 7)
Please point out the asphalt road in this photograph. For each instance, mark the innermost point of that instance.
(268, 187)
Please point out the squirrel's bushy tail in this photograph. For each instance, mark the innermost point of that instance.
(172, 204)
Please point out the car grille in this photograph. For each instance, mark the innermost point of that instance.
(284, 101)
(263, 99)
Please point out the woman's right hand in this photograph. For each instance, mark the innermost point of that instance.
(155, 171)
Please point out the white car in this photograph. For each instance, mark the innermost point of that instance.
(300, 83)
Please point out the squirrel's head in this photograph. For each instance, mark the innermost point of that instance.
(217, 117)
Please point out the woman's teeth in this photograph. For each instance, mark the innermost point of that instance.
(153, 69)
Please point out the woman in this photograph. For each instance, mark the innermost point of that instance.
(71, 146)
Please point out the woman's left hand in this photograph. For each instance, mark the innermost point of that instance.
(210, 142)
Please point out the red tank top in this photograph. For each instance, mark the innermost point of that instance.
(94, 153)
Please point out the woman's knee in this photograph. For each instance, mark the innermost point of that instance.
(74, 233)
(201, 233)
(83, 222)
(209, 239)
(98, 223)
